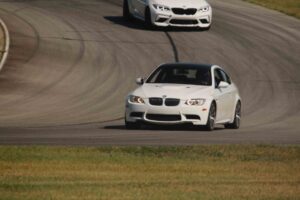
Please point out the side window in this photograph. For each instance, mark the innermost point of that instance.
(228, 79)
(218, 77)
(225, 77)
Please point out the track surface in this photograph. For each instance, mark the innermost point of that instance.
(72, 63)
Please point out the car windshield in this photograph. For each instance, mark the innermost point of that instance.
(181, 75)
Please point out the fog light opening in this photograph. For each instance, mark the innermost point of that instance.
(204, 21)
(161, 19)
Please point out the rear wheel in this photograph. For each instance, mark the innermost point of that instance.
(237, 117)
(126, 12)
(210, 125)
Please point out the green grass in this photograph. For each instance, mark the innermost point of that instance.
(198, 172)
(290, 7)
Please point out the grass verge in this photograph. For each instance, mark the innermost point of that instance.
(290, 7)
(197, 172)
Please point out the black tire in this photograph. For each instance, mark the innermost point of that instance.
(237, 117)
(205, 29)
(210, 124)
(132, 125)
(126, 13)
(148, 21)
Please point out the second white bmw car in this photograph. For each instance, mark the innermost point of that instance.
(185, 93)
(180, 13)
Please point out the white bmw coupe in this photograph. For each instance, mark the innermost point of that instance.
(185, 93)
(186, 13)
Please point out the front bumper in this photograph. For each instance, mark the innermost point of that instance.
(163, 18)
(196, 115)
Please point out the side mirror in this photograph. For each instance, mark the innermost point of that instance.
(139, 81)
(223, 84)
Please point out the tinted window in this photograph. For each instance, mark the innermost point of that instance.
(218, 77)
(225, 77)
(181, 75)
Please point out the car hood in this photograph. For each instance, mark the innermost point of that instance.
(173, 91)
(180, 3)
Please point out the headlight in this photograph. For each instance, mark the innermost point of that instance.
(195, 102)
(161, 7)
(204, 9)
(136, 99)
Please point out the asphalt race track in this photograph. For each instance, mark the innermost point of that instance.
(72, 62)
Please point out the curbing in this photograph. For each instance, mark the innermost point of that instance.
(7, 41)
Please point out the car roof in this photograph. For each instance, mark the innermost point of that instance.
(202, 66)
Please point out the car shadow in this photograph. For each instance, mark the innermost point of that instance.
(140, 25)
(149, 127)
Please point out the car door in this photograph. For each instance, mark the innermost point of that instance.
(222, 97)
(139, 8)
(230, 99)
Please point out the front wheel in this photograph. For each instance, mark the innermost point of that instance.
(210, 125)
(237, 117)
(126, 12)
(148, 21)
(132, 125)
(205, 29)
